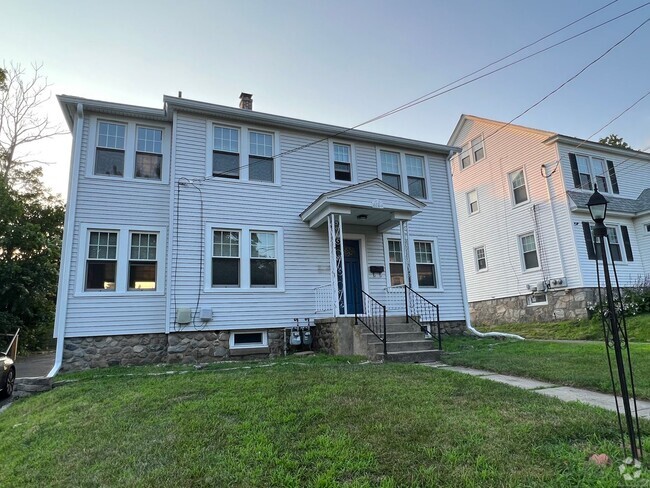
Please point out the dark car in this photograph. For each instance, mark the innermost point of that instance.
(7, 376)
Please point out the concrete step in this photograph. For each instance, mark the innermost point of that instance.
(33, 385)
(396, 336)
(420, 345)
(411, 356)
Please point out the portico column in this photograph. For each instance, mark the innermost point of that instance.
(337, 263)
(406, 254)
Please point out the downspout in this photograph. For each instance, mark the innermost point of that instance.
(461, 267)
(68, 231)
(547, 177)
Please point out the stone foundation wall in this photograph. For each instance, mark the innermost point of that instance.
(180, 347)
(562, 305)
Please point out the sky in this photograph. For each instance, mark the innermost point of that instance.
(339, 62)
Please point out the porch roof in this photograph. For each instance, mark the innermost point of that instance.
(372, 203)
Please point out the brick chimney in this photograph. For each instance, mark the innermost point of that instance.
(246, 101)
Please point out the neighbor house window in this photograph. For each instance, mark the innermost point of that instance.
(264, 264)
(260, 158)
(529, 251)
(518, 187)
(142, 261)
(225, 153)
(390, 169)
(477, 148)
(101, 263)
(465, 157)
(585, 172)
(481, 259)
(425, 264)
(614, 245)
(395, 262)
(109, 154)
(472, 202)
(647, 228)
(590, 170)
(415, 176)
(342, 162)
(225, 258)
(148, 155)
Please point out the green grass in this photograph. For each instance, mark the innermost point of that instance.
(321, 422)
(580, 364)
(638, 329)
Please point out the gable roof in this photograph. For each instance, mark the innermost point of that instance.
(616, 204)
(464, 118)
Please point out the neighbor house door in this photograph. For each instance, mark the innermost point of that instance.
(352, 258)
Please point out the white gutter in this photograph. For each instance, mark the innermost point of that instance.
(459, 255)
(68, 231)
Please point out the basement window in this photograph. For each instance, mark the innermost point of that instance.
(537, 299)
(242, 340)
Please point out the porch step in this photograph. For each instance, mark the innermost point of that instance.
(395, 336)
(411, 356)
(412, 345)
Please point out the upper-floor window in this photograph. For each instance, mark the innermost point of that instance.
(225, 152)
(101, 263)
(465, 157)
(425, 264)
(478, 151)
(395, 262)
(342, 161)
(109, 154)
(590, 170)
(480, 258)
(260, 157)
(528, 249)
(518, 187)
(647, 228)
(415, 176)
(390, 169)
(148, 154)
(472, 202)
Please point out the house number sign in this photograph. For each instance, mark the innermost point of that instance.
(377, 204)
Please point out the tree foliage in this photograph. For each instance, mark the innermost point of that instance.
(614, 140)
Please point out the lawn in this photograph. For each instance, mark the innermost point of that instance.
(303, 422)
(638, 329)
(581, 364)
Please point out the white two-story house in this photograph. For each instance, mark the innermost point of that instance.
(200, 231)
(526, 233)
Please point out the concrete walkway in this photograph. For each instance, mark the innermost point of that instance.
(564, 393)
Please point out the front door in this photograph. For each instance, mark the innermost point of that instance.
(352, 259)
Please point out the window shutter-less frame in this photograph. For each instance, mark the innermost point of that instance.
(586, 229)
(626, 243)
(574, 170)
(612, 176)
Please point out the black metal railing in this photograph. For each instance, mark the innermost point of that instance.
(423, 312)
(373, 316)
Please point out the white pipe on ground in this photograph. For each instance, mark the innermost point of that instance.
(459, 254)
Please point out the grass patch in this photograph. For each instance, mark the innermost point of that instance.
(638, 329)
(567, 363)
(314, 422)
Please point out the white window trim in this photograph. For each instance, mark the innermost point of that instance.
(402, 170)
(610, 190)
(470, 148)
(130, 147)
(245, 259)
(353, 162)
(473, 151)
(521, 252)
(536, 304)
(469, 206)
(123, 258)
(264, 343)
(244, 152)
(487, 267)
(512, 190)
(619, 238)
(413, 264)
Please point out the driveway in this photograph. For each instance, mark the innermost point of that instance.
(34, 365)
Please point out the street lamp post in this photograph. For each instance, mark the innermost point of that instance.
(597, 205)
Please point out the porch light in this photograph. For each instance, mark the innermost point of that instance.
(362, 217)
(597, 206)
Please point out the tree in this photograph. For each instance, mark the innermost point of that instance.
(614, 140)
(22, 122)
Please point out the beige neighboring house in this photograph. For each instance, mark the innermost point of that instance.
(526, 233)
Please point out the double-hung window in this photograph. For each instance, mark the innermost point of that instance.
(518, 187)
(480, 258)
(148, 155)
(478, 150)
(263, 259)
(585, 172)
(395, 262)
(225, 258)
(425, 264)
(529, 251)
(109, 153)
(390, 169)
(465, 157)
(472, 202)
(101, 263)
(590, 170)
(342, 162)
(142, 261)
(415, 176)
(615, 252)
(600, 173)
(260, 157)
(225, 152)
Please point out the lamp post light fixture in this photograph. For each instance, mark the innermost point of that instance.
(615, 335)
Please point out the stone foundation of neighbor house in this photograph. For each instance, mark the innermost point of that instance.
(561, 305)
(179, 347)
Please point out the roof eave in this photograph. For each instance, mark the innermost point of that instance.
(597, 146)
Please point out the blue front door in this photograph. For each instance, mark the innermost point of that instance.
(352, 259)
